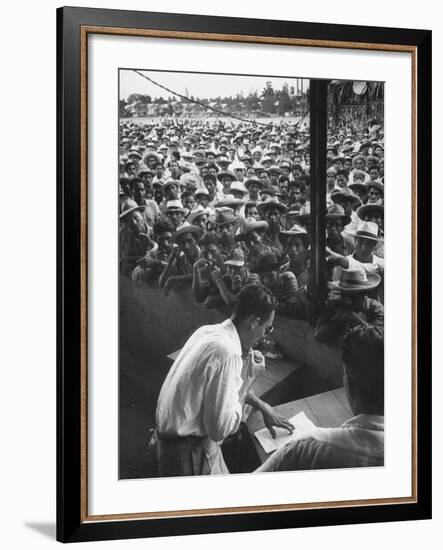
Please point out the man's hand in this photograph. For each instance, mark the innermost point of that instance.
(273, 419)
(216, 274)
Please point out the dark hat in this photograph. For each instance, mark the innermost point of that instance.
(252, 180)
(265, 262)
(271, 202)
(186, 227)
(251, 224)
(377, 184)
(363, 210)
(335, 211)
(346, 194)
(130, 207)
(226, 173)
(296, 230)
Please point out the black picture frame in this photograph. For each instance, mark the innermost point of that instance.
(72, 526)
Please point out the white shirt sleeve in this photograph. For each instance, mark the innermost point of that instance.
(222, 410)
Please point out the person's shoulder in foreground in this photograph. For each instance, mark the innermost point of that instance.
(360, 440)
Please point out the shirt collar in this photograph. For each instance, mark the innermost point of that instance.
(231, 329)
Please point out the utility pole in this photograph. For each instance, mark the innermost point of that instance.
(317, 289)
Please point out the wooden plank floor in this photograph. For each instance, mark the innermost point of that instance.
(327, 409)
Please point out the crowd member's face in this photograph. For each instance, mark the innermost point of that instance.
(264, 178)
(210, 157)
(164, 241)
(361, 193)
(359, 178)
(203, 200)
(212, 254)
(256, 156)
(257, 329)
(239, 174)
(295, 246)
(297, 173)
(139, 192)
(202, 222)
(272, 216)
(174, 168)
(189, 202)
(250, 172)
(346, 205)
(353, 301)
(212, 171)
(364, 247)
(188, 245)
(254, 238)
(295, 194)
(238, 194)
(334, 228)
(284, 186)
(381, 168)
(378, 152)
(226, 233)
(330, 179)
(374, 194)
(176, 217)
(373, 173)
(273, 177)
(376, 217)
(251, 212)
(151, 162)
(360, 164)
(342, 181)
(253, 189)
(226, 182)
(172, 192)
(347, 165)
(131, 170)
(136, 222)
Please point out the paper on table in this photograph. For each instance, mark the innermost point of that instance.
(301, 424)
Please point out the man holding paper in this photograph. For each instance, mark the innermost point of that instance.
(202, 399)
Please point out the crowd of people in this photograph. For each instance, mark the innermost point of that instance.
(214, 206)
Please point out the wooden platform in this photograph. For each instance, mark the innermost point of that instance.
(328, 410)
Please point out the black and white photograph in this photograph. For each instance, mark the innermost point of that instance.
(251, 274)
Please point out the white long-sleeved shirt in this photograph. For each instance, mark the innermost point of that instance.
(200, 395)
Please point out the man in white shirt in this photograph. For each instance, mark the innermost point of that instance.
(203, 397)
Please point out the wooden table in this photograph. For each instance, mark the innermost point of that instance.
(329, 409)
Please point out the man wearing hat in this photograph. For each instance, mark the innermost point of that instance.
(296, 243)
(226, 223)
(375, 192)
(135, 237)
(175, 213)
(253, 186)
(203, 284)
(155, 259)
(271, 210)
(179, 269)
(336, 239)
(363, 257)
(350, 306)
(375, 213)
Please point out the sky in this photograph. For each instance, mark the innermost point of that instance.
(198, 85)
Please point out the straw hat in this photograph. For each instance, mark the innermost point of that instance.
(271, 202)
(355, 280)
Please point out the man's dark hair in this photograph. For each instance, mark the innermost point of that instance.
(255, 300)
(163, 225)
(363, 357)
